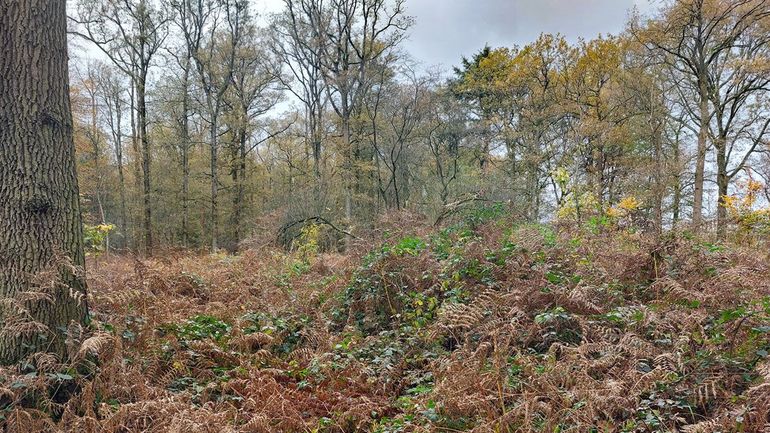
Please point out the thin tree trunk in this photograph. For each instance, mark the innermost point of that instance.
(656, 130)
(39, 201)
(316, 143)
(97, 154)
(598, 172)
(700, 162)
(239, 179)
(723, 182)
(659, 186)
(351, 184)
(676, 201)
(146, 160)
(119, 159)
(214, 225)
(186, 157)
(137, 165)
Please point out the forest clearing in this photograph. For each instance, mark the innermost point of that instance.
(338, 216)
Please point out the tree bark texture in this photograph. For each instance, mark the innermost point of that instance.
(40, 221)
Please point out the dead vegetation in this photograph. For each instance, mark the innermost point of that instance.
(483, 326)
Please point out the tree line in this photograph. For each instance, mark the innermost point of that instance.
(204, 123)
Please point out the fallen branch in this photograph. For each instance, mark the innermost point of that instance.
(451, 208)
(315, 219)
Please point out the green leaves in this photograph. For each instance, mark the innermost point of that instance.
(410, 245)
(200, 327)
(95, 237)
(552, 315)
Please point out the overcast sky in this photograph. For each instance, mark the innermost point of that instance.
(445, 30)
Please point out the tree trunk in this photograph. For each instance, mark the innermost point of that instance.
(315, 138)
(597, 157)
(351, 183)
(97, 156)
(659, 184)
(146, 159)
(533, 187)
(723, 182)
(676, 201)
(119, 159)
(39, 201)
(239, 181)
(700, 162)
(214, 225)
(137, 166)
(186, 156)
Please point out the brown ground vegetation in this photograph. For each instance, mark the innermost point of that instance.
(483, 326)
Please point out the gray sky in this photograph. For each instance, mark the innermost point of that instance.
(445, 30)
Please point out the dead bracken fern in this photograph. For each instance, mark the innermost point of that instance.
(505, 329)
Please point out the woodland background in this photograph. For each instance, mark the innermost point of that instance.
(293, 226)
(201, 128)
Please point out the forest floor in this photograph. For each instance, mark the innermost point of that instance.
(484, 325)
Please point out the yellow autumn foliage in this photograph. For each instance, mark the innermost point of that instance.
(742, 208)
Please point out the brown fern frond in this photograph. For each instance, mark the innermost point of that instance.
(97, 345)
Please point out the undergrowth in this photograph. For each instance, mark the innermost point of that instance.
(484, 326)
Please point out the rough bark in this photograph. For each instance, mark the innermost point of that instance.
(39, 202)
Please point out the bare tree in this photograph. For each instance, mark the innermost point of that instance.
(130, 33)
(251, 96)
(692, 37)
(112, 91)
(740, 96)
(444, 131)
(298, 39)
(214, 52)
(396, 110)
(360, 33)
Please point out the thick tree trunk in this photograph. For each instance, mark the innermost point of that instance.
(39, 202)
(533, 187)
